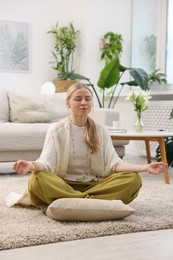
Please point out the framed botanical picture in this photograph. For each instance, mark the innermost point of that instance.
(14, 46)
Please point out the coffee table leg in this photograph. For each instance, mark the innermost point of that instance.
(147, 145)
(163, 157)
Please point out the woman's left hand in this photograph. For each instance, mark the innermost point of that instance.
(157, 167)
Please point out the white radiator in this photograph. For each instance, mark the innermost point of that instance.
(156, 117)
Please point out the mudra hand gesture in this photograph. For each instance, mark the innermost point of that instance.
(157, 167)
(22, 167)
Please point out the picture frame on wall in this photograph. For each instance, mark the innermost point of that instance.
(15, 46)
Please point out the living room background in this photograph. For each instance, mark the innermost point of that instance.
(92, 18)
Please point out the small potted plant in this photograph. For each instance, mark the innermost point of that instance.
(157, 77)
(65, 38)
(157, 80)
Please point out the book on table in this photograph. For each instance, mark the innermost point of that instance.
(117, 130)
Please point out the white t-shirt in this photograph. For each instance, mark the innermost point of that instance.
(79, 166)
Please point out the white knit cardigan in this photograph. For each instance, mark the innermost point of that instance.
(55, 154)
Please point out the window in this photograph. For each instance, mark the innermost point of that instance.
(152, 36)
(169, 53)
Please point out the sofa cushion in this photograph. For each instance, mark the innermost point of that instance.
(22, 137)
(31, 112)
(56, 103)
(4, 107)
(82, 209)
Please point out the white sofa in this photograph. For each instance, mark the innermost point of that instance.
(23, 126)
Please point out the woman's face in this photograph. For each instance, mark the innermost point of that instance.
(80, 102)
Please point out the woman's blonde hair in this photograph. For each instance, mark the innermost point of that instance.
(90, 136)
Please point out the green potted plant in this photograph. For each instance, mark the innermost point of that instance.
(112, 72)
(168, 147)
(171, 114)
(169, 151)
(65, 38)
(157, 77)
(157, 80)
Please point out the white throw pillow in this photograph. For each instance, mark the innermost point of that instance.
(31, 112)
(82, 209)
(4, 106)
(56, 102)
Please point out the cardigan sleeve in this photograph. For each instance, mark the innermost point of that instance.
(48, 155)
(55, 153)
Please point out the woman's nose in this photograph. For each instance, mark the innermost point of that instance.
(83, 101)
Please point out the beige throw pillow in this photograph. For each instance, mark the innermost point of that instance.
(4, 106)
(31, 112)
(82, 209)
(56, 102)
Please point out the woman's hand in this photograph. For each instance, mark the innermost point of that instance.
(22, 167)
(157, 167)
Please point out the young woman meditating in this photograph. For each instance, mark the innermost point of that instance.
(78, 159)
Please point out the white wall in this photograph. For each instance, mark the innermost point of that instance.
(104, 16)
(92, 17)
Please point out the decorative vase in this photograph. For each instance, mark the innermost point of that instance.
(139, 126)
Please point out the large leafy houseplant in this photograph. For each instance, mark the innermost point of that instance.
(169, 151)
(65, 38)
(112, 72)
(168, 147)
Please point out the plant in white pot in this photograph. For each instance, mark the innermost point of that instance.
(112, 72)
(157, 76)
(65, 39)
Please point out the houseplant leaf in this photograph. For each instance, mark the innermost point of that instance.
(73, 76)
(141, 78)
(130, 83)
(171, 114)
(110, 74)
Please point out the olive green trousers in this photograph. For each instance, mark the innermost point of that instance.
(45, 187)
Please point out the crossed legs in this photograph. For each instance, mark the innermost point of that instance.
(45, 187)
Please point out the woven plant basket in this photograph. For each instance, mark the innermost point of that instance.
(62, 85)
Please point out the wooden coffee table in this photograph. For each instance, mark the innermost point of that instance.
(147, 136)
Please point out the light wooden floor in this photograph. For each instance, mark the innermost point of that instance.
(135, 246)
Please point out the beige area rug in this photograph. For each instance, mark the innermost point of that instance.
(20, 227)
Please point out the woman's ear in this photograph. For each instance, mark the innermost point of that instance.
(67, 104)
